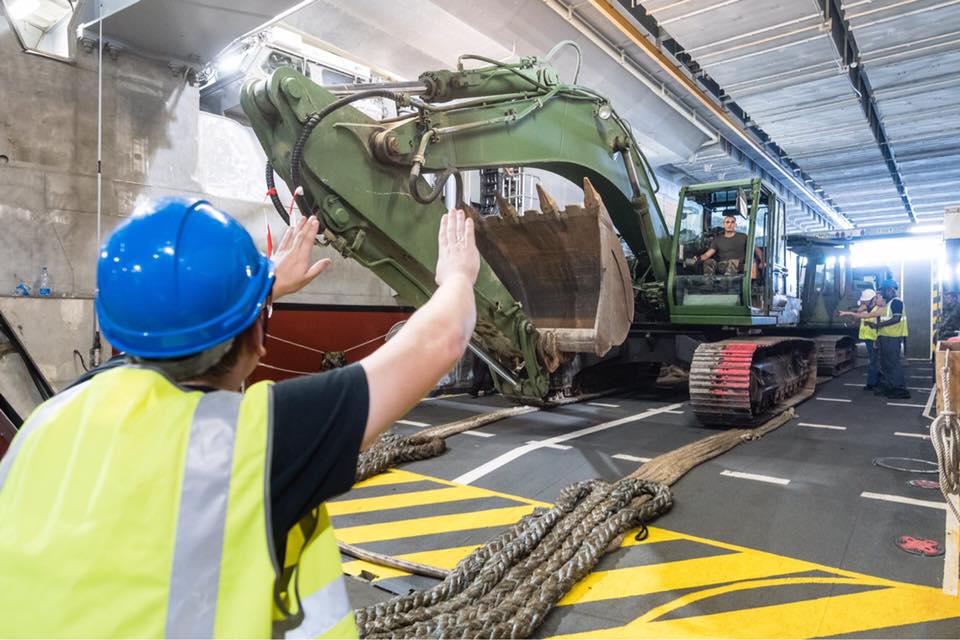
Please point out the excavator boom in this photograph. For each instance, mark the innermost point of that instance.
(555, 290)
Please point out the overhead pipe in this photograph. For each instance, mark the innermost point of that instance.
(620, 58)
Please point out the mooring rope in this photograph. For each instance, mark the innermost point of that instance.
(506, 588)
(945, 436)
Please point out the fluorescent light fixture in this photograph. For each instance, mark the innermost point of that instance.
(926, 228)
(20, 9)
(871, 253)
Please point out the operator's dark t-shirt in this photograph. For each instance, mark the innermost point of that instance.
(733, 248)
(896, 307)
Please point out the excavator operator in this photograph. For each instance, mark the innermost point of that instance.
(729, 249)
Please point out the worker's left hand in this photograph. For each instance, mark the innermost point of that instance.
(292, 258)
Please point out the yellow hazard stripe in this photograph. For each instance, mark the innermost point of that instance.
(434, 524)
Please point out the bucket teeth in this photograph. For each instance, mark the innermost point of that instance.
(591, 199)
(507, 211)
(547, 204)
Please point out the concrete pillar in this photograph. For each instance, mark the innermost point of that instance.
(915, 290)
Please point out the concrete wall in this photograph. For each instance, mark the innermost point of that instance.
(155, 142)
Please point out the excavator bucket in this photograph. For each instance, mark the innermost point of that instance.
(566, 268)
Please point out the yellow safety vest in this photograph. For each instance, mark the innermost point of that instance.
(898, 330)
(130, 507)
(867, 332)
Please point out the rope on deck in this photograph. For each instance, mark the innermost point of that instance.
(506, 588)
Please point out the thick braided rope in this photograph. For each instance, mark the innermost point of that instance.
(506, 588)
(945, 436)
(392, 448)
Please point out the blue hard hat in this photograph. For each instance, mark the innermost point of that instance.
(889, 283)
(179, 277)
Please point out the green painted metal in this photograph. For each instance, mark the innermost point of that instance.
(355, 170)
(739, 315)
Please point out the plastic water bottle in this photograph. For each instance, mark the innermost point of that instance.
(43, 283)
(22, 289)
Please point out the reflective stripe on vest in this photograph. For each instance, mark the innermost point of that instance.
(318, 582)
(898, 330)
(323, 610)
(195, 578)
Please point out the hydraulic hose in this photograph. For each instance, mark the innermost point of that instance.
(296, 156)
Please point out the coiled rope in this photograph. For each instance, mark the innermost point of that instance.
(945, 436)
(506, 588)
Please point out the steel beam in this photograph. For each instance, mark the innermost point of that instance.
(683, 69)
(846, 45)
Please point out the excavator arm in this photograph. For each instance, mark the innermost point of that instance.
(554, 284)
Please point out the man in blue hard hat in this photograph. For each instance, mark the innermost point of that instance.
(155, 499)
(892, 330)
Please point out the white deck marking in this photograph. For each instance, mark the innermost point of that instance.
(491, 466)
(821, 426)
(921, 377)
(753, 476)
(413, 423)
(911, 435)
(479, 434)
(675, 412)
(886, 497)
(560, 447)
(629, 458)
(852, 384)
(603, 404)
(906, 404)
(920, 388)
(834, 399)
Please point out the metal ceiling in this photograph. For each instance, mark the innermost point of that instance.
(783, 63)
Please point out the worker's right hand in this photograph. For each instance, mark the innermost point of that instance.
(292, 261)
(458, 255)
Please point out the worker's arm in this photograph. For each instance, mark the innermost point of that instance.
(876, 312)
(709, 253)
(431, 342)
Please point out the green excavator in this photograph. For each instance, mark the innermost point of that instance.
(570, 300)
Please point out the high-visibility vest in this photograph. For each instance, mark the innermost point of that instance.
(130, 507)
(898, 330)
(867, 332)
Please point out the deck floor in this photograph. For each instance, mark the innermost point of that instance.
(789, 536)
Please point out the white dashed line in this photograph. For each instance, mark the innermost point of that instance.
(904, 500)
(754, 476)
(675, 412)
(852, 384)
(911, 435)
(821, 426)
(921, 377)
(629, 458)
(479, 434)
(560, 447)
(489, 467)
(413, 423)
(906, 404)
(834, 399)
(919, 388)
(604, 404)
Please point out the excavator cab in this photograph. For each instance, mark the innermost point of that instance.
(728, 254)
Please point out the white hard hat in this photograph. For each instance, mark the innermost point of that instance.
(867, 295)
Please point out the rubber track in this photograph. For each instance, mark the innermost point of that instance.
(720, 380)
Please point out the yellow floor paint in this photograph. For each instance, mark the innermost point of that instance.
(744, 571)
(391, 477)
(432, 524)
(683, 574)
(411, 499)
